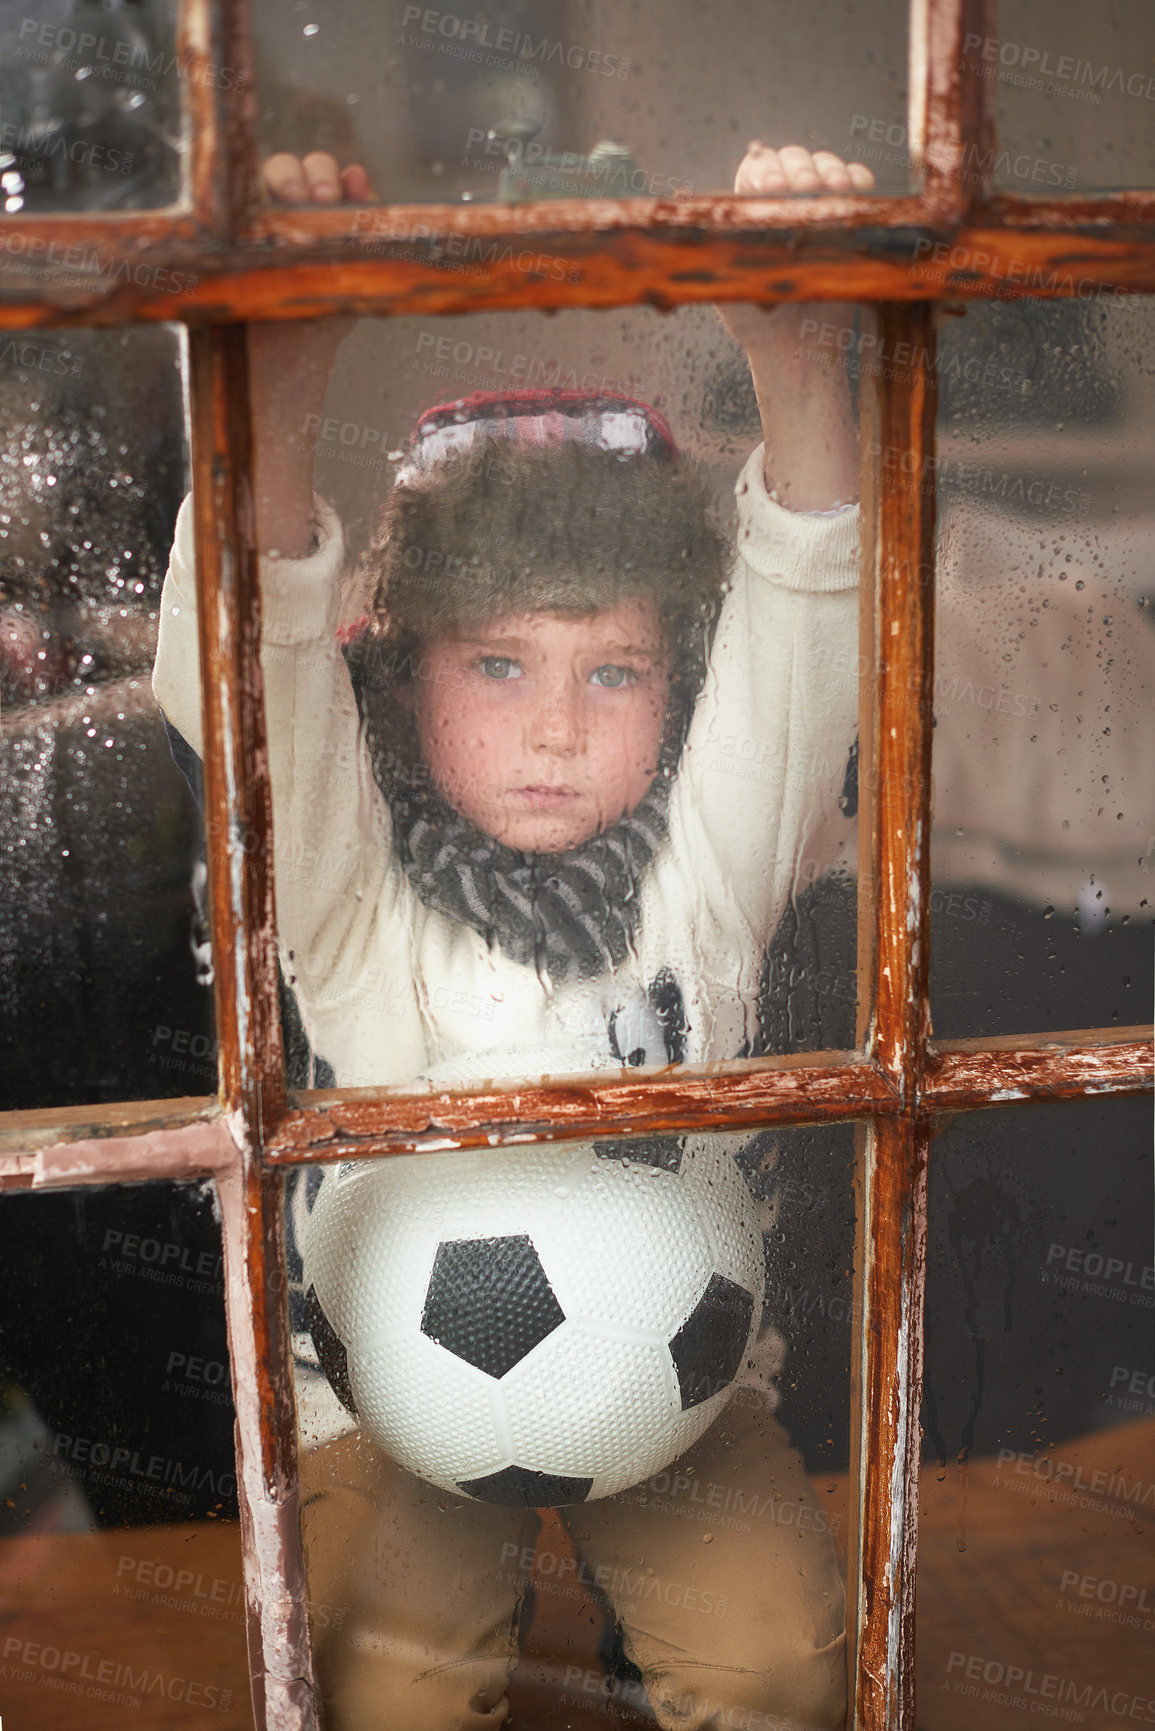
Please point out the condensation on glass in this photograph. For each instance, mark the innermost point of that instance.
(1037, 1494)
(1044, 668)
(120, 1553)
(105, 953)
(512, 100)
(1071, 88)
(91, 98)
(575, 1405)
(563, 736)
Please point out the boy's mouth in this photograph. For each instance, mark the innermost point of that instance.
(544, 796)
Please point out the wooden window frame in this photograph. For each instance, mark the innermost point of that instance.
(237, 262)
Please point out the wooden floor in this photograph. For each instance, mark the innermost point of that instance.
(1036, 1606)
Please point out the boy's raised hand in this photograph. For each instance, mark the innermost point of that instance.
(774, 173)
(290, 366)
(314, 179)
(811, 448)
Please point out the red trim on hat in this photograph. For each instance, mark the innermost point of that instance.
(482, 406)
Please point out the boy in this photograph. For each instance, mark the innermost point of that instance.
(390, 983)
(557, 869)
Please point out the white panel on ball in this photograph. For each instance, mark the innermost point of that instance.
(598, 1273)
(428, 1409)
(627, 1393)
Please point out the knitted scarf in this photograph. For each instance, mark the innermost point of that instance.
(570, 915)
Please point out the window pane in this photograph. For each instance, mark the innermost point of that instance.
(610, 1349)
(121, 1591)
(607, 705)
(1072, 88)
(508, 99)
(103, 945)
(1035, 1553)
(1045, 667)
(91, 100)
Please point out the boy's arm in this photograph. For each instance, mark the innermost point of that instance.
(810, 446)
(342, 901)
(767, 751)
(341, 898)
(289, 367)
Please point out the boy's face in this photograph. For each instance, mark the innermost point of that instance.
(544, 729)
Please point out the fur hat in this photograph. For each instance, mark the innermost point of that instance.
(543, 501)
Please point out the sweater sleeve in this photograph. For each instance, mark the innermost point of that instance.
(340, 893)
(767, 751)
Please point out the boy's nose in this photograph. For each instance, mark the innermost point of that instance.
(556, 724)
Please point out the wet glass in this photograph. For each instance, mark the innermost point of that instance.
(601, 1387)
(511, 100)
(562, 703)
(1044, 668)
(120, 1580)
(1072, 89)
(105, 954)
(91, 98)
(1037, 1492)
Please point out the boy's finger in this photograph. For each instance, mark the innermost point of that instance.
(832, 171)
(284, 178)
(760, 171)
(323, 177)
(356, 186)
(798, 166)
(860, 176)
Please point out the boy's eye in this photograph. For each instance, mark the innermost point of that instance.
(612, 677)
(500, 667)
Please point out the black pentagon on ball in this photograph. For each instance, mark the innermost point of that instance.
(707, 1349)
(665, 1152)
(330, 1350)
(522, 1487)
(489, 1301)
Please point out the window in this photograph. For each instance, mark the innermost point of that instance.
(956, 225)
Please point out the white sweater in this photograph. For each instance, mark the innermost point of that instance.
(388, 987)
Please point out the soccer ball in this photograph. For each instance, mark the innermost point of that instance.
(536, 1326)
